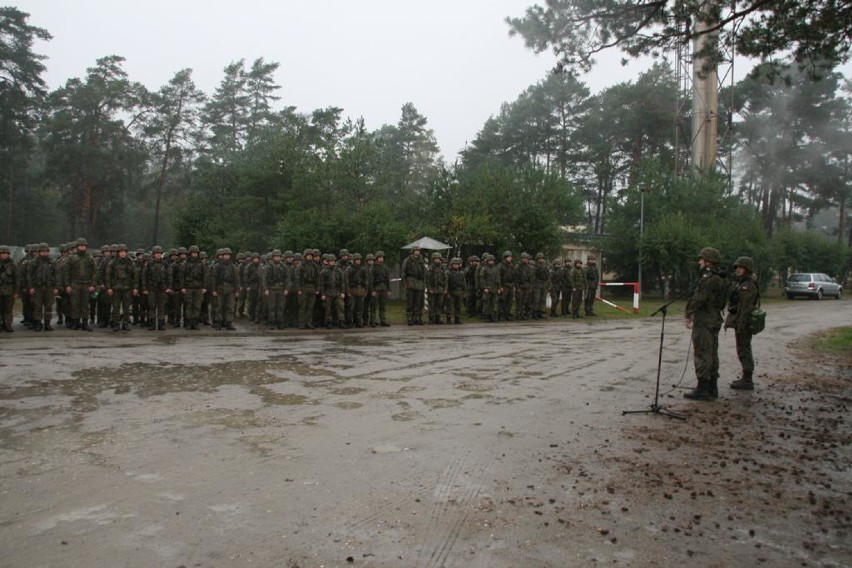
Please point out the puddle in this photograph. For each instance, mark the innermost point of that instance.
(407, 416)
(346, 405)
(441, 402)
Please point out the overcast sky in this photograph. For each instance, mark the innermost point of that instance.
(453, 59)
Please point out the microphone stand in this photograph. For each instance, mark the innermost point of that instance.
(656, 407)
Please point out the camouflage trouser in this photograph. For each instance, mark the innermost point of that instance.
(523, 303)
(26, 305)
(176, 309)
(307, 299)
(487, 304)
(333, 309)
(590, 300)
(436, 303)
(576, 301)
(253, 302)
(555, 294)
(225, 303)
(7, 304)
(276, 301)
(414, 304)
(744, 350)
(454, 302)
(122, 305)
(539, 299)
(379, 304)
(507, 298)
(192, 300)
(156, 305)
(79, 301)
(42, 304)
(705, 345)
(291, 310)
(355, 310)
(470, 303)
(566, 301)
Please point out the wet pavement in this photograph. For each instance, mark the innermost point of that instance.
(473, 445)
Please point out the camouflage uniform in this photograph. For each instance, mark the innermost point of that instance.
(356, 281)
(9, 286)
(456, 289)
(558, 284)
(380, 290)
(332, 291)
(413, 275)
(276, 288)
(592, 279)
(524, 275)
(250, 278)
(704, 311)
(541, 283)
(489, 279)
(506, 287)
(155, 282)
(140, 301)
(470, 272)
(23, 292)
(224, 282)
(308, 279)
(436, 285)
(41, 282)
(192, 284)
(121, 281)
(79, 280)
(578, 284)
(744, 296)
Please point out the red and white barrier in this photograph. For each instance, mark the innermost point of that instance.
(635, 294)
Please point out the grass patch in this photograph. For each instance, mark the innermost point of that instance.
(835, 341)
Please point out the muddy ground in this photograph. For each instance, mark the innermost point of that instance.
(475, 445)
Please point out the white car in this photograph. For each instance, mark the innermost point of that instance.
(813, 285)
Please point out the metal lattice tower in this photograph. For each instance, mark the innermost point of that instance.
(703, 143)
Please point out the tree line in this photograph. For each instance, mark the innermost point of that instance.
(106, 158)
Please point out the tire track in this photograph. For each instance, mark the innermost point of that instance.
(456, 489)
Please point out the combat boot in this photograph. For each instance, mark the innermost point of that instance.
(161, 325)
(36, 326)
(229, 326)
(700, 392)
(458, 320)
(47, 326)
(713, 388)
(744, 383)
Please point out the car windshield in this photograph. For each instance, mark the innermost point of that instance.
(800, 278)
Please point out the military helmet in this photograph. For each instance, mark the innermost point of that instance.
(202, 254)
(140, 251)
(288, 254)
(539, 255)
(255, 255)
(710, 255)
(315, 251)
(525, 255)
(370, 256)
(43, 246)
(357, 256)
(344, 252)
(82, 241)
(193, 248)
(436, 255)
(182, 250)
(456, 260)
(507, 254)
(578, 261)
(4, 248)
(240, 255)
(306, 252)
(380, 253)
(590, 258)
(104, 248)
(745, 262)
(120, 247)
(172, 252)
(226, 250)
(157, 249)
(330, 256)
(475, 258)
(275, 252)
(297, 256)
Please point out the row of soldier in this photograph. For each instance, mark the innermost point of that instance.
(491, 290)
(286, 290)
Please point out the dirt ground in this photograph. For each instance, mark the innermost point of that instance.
(462, 446)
